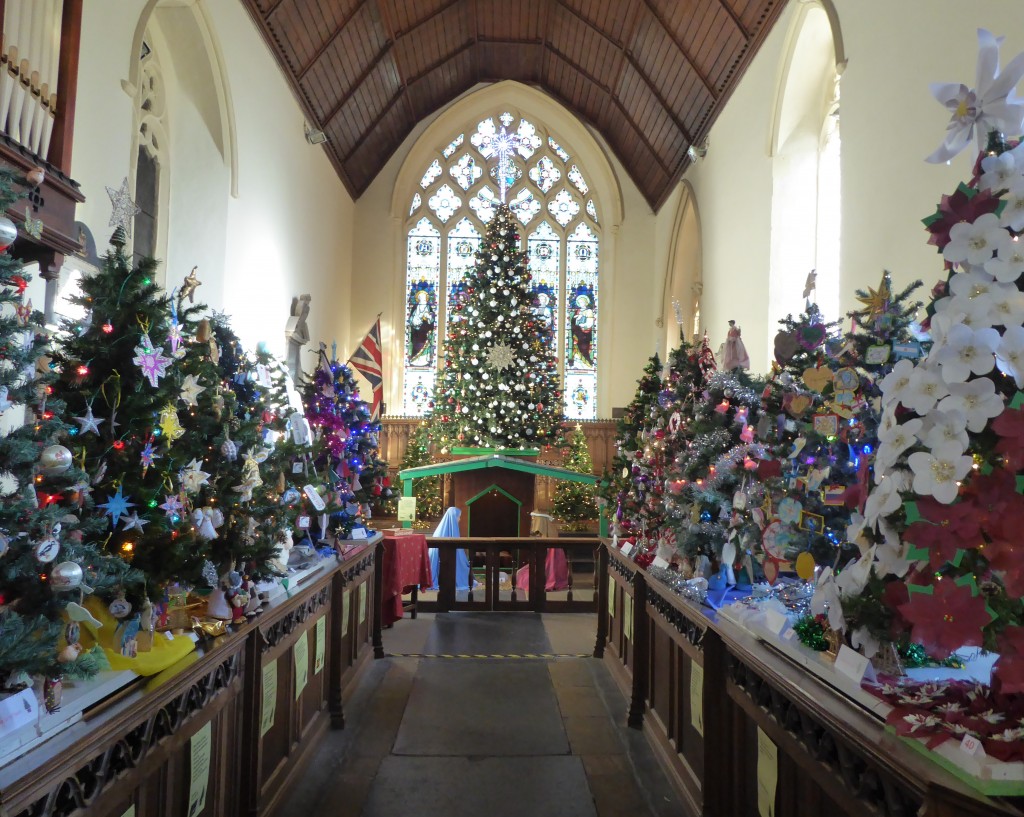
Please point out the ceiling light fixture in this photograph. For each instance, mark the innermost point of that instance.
(314, 136)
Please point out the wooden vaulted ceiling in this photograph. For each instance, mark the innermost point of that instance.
(649, 75)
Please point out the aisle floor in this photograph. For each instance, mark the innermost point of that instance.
(436, 729)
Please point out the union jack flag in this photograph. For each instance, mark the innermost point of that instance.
(368, 360)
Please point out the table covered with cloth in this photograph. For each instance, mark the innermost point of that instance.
(406, 563)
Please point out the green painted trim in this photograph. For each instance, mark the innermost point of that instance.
(497, 461)
(487, 490)
(407, 491)
(505, 452)
(992, 788)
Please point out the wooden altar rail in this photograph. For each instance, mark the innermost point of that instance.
(702, 688)
(134, 750)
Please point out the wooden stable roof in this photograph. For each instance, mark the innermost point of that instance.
(650, 75)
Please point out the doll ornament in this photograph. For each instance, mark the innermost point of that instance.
(734, 353)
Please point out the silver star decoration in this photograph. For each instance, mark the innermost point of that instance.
(192, 477)
(504, 146)
(124, 211)
(811, 283)
(132, 520)
(500, 357)
(190, 390)
(88, 422)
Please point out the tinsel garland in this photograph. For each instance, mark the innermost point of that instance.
(914, 655)
(724, 382)
(811, 633)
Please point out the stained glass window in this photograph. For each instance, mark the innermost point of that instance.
(581, 324)
(423, 275)
(544, 186)
(543, 249)
(463, 242)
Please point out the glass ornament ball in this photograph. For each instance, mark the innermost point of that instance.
(8, 232)
(55, 460)
(66, 576)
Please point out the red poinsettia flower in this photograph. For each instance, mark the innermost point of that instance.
(948, 618)
(1006, 557)
(1010, 427)
(1009, 669)
(992, 494)
(964, 205)
(945, 529)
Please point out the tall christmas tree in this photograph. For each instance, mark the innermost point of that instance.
(47, 557)
(499, 386)
(574, 504)
(429, 502)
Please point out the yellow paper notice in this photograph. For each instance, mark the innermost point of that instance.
(130, 812)
(627, 615)
(199, 773)
(269, 707)
(767, 774)
(346, 600)
(301, 652)
(361, 600)
(321, 644)
(611, 596)
(407, 509)
(697, 697)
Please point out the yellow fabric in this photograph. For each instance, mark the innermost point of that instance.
(165, 651)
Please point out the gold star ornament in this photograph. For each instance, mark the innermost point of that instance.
(877, 301)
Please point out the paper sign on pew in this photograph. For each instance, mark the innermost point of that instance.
(659, 562)
(853, 665)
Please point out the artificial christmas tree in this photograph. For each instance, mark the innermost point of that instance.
(574, 503)
(427, 490)
(499, 385)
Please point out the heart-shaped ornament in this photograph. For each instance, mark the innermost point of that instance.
(817, 377)
(812, 336)
(796, 404)
(786, 345)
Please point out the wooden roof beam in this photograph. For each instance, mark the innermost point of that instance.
(682, 50)
(327, 43)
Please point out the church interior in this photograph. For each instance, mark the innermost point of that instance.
(544, 407)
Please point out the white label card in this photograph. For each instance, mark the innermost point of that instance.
(314, 498)
(853, 665)
(358, 533)
(302, 522)
(970, 745)
(659, 562)
(775, 622)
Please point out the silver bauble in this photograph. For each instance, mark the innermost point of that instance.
(8, 232)
(55, 460)
(66, 576)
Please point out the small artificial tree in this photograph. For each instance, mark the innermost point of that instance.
(429, 501)
(574, 504)
(499, 386)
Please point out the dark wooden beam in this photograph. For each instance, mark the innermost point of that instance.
(445, 59)
(327, 43)
(63, 134)
(735, 18)
(389, 30)
(376, 121)
(682, 49)
(427, 19)
(683, 129)
(345, 97)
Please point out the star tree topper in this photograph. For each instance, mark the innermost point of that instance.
(125, 210)
(503, 145)
(878, 300)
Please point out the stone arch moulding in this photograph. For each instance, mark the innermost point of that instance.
(531, 103)
(227, 137)
(679, 281)
(789, 51)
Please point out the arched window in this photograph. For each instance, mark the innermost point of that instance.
(806, 166)
(150, 156)
(448, 214)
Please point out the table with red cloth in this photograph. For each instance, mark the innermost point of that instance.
(556, 572)
(406, 563)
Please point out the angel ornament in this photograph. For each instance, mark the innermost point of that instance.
(734, 353)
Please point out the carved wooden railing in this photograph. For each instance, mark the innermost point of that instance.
(135, 751)
(702, 688)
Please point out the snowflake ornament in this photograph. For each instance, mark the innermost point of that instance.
(500, 357)
(152, 361)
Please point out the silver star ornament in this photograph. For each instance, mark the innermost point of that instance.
(124, 209)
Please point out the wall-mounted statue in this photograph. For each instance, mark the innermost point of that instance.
(296, 332)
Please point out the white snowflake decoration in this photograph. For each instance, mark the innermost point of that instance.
(500, 357)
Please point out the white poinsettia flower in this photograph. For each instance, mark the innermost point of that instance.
(855, 531)
(1013, 209)
(972, 293)
(893, 443)
(941, 325)
(1007, 306)
(891, 555)
(975, 242)
(862, 640)
(854, 577)
(998, 172)
(895, 385)
(943, 427)
(826, 600)
(966, 351)
(1010, 354)
(938, 473)
(888, 419)
(990, 105)
(885, 499)
(1008, 265)
(926, 388)
(977, 400)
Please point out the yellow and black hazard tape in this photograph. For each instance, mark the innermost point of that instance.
(490, 656)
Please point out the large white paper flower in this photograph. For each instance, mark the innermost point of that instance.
(885, 499)
(972, 296)
(890, 556)
(991, 105)
(938, 473)
(1010, 354)
(966, 351)
(1008, 265)
(998, 172)
(945, 427)
(895, 385)
(941, 325)
(1013, 209)
(826, 600)
(893, 443)
(854, 578)
(977, 400)
(1006, 306)
(926, 388)
(975, 242)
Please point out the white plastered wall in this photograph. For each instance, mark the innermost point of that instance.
(889, 123)
(634, 241)
(252, 204)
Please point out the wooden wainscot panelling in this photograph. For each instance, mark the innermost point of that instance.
(619, 607)
(350, 655)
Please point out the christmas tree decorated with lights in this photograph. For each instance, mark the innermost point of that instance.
(575, 505)
(427, 490)
(499, 386)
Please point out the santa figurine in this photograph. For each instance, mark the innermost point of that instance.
(734, 353)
